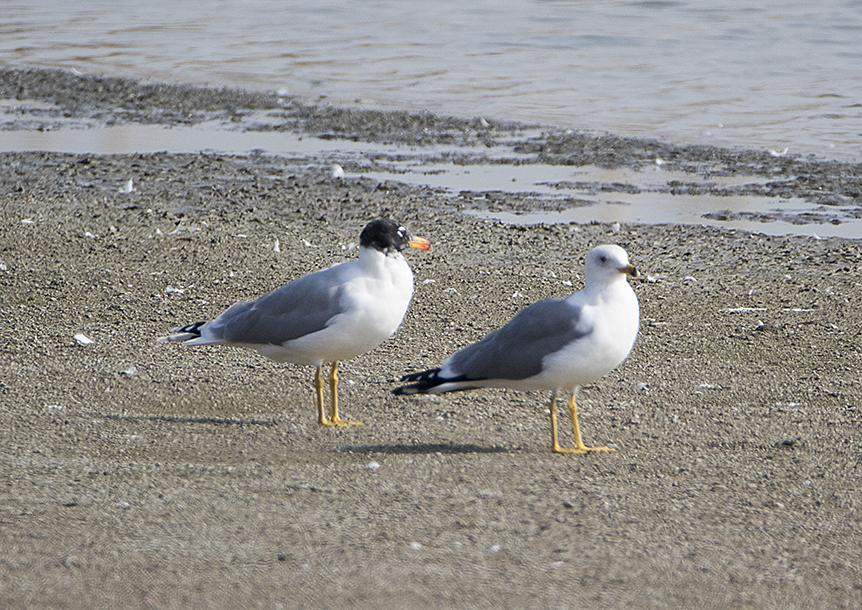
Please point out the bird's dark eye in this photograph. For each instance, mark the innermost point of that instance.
(402, 231)
(603, 260)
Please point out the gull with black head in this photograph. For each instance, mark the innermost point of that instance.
(324, 317)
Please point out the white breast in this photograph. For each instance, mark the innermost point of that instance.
(376, 298)
(613, 317)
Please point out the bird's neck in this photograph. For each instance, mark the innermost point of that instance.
(374, 260)
(604, 290)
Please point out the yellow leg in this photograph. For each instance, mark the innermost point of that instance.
(318, 396)
(576, 428)
(555, 446)
(334, 420)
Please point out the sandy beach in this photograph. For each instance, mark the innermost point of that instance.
(160, 476)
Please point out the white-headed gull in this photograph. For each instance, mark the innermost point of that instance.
(555, 344)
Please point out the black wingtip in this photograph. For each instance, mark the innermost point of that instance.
(420, 382)
(192, 329)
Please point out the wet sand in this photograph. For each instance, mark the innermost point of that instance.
(155, 476)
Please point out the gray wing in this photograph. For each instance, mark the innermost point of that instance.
(516, 351)
(299, 308)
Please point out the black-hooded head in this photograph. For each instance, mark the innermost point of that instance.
(388, 236)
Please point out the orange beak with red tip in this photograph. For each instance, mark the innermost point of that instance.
(420, 243)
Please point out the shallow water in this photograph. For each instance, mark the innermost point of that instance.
(649, 203)
(767, 75)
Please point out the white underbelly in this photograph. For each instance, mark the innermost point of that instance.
(586, 360)
(365, 324)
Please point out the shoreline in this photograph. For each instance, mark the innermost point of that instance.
(115, 100)
(738, 184)
(162, 476)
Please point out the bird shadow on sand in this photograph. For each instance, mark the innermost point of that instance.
(426, 448)
(171, 419)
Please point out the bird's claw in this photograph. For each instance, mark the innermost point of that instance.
(581, 449)
(339, 422)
